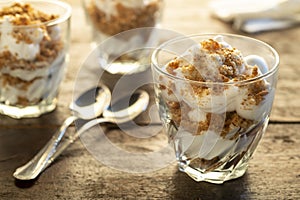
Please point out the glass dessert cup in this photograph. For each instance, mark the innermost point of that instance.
(214, 124)
(125, 25)
(33, 54)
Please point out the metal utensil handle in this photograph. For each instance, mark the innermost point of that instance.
(38, 163)
(68, 141)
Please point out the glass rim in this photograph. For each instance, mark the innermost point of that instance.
(62, 18)
(160, 48)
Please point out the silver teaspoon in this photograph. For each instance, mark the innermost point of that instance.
(120, 112)
(87, 106)
(117, 113)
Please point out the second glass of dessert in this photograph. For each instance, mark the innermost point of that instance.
(127, 28)
(34, 41)
(215, 94)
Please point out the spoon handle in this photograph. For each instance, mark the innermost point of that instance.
(69, 140)
(42, 159)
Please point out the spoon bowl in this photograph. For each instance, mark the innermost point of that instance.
(127, 108)
(91, 103)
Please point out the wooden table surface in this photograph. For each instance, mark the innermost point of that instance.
(274, 171)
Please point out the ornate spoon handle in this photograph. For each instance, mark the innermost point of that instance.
(40, 161)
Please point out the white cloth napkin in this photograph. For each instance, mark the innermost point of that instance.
(257, 15)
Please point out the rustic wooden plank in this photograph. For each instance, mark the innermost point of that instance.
(273, 173)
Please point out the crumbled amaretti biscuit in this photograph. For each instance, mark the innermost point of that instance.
(125, 19)
(25, 14)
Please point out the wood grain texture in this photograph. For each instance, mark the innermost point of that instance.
(274, 171)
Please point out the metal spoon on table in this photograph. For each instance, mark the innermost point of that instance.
(87, 106)
(116, 113)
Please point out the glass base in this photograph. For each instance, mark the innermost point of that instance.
(217, 176)
(130, 63)
(28, 111)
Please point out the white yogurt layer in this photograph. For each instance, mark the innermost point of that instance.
(43, 85)
(246, 108)
(25, 74)
(210, 145)
(20, 49)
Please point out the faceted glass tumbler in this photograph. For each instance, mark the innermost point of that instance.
(33, 56)
(215, 143)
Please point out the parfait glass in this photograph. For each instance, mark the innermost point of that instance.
(214, 126)
(34, 44)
